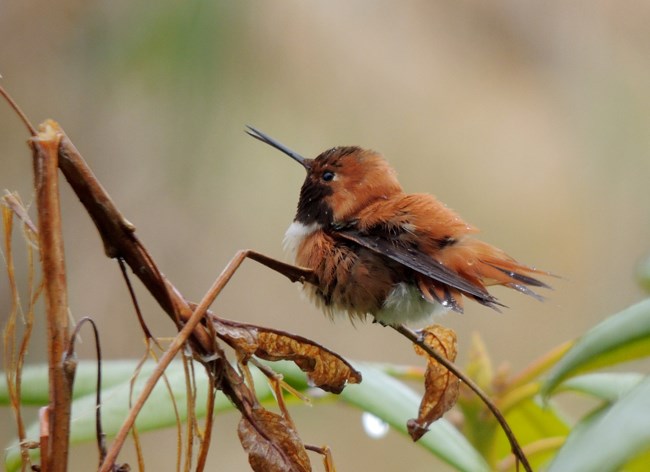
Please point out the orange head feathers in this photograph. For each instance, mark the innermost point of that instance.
(381, 252)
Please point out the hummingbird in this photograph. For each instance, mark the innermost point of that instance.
(378, 251)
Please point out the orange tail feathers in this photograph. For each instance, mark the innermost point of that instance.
(482, 265)
(485, 265)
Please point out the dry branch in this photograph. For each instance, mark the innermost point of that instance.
(45, 148)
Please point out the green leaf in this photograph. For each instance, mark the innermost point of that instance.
(35, 383)
(395, 403)
(639, 463)
(605, 386)
(621, 337)
(157, 413)
(379, 394)
(531, 422)
(607, 440)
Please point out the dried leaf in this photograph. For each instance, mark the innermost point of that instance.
(15, 345)
(441, 386)
(325, 369)
(12, 201)
(271, 443)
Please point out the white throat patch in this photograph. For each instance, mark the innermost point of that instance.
(295, 235)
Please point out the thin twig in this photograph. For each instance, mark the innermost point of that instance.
(19, 112)
(213, 384)
(514, 444)
(13, 361)
(136, 305)
(190, 421)
(69, 359)
(204, 447)
(326, 452)
(137, 445)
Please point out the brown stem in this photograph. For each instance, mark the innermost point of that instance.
(326, 452)
(293, 273)
(45, 151)
(70, 358)
(19, 112)
(13, 361)
(209, 419)
(44, 436)
(514, 444)
(136, 306)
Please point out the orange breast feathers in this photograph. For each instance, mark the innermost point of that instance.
(355, 281)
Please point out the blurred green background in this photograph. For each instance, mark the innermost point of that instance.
(530, 119)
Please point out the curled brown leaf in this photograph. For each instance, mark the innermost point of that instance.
(271, 443)
(324, 368)
(441, 386)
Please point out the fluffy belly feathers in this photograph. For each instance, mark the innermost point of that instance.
(356, 281)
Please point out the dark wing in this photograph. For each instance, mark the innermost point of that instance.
(419, 262)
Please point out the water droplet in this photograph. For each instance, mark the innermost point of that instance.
(374, 427)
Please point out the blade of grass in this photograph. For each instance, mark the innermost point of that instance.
(622, 337)
(606, 440)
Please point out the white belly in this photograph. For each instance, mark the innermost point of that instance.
(405, 304)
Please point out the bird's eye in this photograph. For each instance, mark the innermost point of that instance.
(328, 176)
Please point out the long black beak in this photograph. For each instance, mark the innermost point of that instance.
(257, 134)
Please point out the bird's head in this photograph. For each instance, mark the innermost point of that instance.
(340, 182)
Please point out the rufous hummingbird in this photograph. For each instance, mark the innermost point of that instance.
(378, 251)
